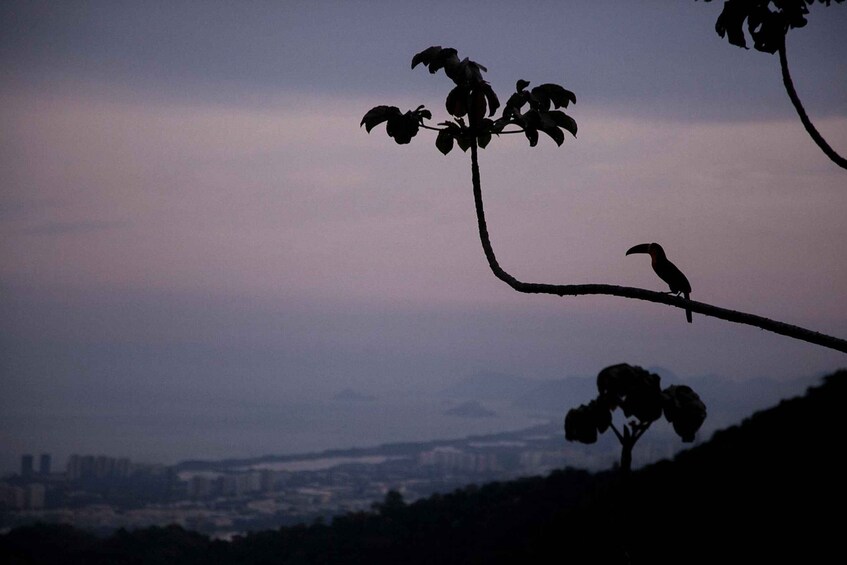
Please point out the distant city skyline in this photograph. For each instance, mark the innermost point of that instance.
(223, 498)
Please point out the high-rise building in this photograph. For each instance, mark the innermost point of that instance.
(27, 465)
(86, 466)
(44, 464)
(103, 466)
(122, 467)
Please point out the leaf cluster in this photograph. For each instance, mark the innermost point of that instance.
(539, 116)
(473, 103)
(401, 127)
(639, 395)
(767, 21)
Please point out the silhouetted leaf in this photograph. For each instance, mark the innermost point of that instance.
(730, 22)
(466, 72)
(377, 115)
(456, 103)
(631, 388)
(444, 142)
(403, 127)
(613, 380)
(447, 59)
(423, 114)
(546, 94)
(515, 102)
(580, 425)
(490, 97)
(463, 142)
(435, 58)
(483, 139)
(549, 127)
(426, 56)
(564, 121)
(684, 409)
(532, 136)
(555, 134)
(521, 84)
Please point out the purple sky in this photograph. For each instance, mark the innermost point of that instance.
(187, 201)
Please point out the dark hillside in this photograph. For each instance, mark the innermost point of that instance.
(772, 488)
(768, 490)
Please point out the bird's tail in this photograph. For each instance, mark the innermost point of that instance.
(687, 311)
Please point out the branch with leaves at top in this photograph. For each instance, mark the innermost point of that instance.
(473, 97)
(768, 24)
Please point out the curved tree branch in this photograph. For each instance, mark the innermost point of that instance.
(781, 328)
(807, 123)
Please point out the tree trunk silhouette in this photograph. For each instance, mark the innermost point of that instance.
(807, 123)
(781, 328)
(627, 443)
(631, 434)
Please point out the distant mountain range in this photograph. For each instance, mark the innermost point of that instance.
(728, 401)
(470, 409)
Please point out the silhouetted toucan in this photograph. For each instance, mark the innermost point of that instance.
(666, 270)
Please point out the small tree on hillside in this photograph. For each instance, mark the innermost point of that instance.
(640, 397)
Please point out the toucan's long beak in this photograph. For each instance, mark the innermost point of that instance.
(642, 248)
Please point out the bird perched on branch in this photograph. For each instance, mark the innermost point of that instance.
(666, 270)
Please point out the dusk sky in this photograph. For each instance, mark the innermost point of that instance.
(189, 209)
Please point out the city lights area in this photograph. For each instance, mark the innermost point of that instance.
(222, 498)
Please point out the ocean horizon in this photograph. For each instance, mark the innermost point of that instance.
(216, 432)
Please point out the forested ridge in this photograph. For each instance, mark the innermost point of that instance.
(771, 487)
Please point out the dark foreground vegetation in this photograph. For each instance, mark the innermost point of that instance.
(769, 490)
